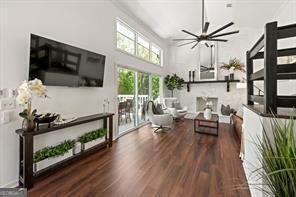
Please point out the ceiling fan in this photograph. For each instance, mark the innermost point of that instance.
(204, 37)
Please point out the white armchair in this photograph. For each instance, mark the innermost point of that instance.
(159, 121)
(172, 105)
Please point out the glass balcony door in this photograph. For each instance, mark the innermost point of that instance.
(143, 96)
(126, 99)
(134, 90)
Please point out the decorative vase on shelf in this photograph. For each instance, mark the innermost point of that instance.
(26, 91)
(28, 125)
(231, 73)
(231, 76)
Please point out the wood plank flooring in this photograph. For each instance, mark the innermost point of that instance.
(177, 162)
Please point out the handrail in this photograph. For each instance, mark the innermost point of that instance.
(259, 90)
(272, 71)
(257, 47)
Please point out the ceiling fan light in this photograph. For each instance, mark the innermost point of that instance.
(202, 41)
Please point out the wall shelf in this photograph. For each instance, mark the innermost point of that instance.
(211, 81)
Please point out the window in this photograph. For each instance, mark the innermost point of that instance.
(155, 87)
(133, 43)
(125, 39)
(143, 48)
(155, 55)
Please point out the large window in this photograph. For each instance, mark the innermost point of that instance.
(156, 55)
(134, 43)
(125, 38)
(143, 48)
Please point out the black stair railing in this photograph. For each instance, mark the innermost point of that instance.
(271, 72)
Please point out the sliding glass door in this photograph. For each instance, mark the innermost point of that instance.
(126, 99)
(155, 94)
(143, 96)
(135, 89)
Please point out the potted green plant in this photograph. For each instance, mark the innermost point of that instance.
(50, 155)
(234, 65)
(277, 156)
(26, 92)
(173, 82)
(92, 138)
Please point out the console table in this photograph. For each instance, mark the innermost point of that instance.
(26, 148)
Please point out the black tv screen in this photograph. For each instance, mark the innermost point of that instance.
(59, 64)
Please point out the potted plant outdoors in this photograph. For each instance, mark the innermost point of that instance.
(50, 155)
(173, 82)
(277, 156)
(92, 138)
(234, 65)
(26, 92)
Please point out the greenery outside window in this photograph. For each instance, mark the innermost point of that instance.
(125, 39)
(156, 55)
(155, 87)
(143, 48)
(130, 41)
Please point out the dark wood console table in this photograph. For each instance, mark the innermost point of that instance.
(26, 148)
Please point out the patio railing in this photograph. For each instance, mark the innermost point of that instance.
(141, 101)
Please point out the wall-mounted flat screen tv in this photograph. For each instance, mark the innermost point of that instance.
(59, 64)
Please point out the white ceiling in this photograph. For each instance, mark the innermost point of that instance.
(168, 17)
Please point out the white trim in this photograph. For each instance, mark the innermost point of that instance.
(10, 184)
(137, 57)
(133, 129)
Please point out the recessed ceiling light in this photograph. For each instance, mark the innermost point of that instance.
(229, 5)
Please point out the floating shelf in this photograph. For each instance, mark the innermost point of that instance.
(211, 81)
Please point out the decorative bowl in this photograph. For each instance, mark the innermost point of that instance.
(45, 119)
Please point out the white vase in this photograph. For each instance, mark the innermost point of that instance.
(208, 113)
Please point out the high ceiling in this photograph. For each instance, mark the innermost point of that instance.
(168, 17)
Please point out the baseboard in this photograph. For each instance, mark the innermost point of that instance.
(10, 184)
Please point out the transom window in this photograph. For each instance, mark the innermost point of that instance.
(134, 43)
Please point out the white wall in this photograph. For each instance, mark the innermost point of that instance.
(85, 24)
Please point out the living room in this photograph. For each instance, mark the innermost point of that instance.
(136, 45)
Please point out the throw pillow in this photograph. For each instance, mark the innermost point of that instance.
(159, 109)
(225, 110)
(177, 105)
(169, 103)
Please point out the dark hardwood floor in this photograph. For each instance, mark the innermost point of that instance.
(178, 162)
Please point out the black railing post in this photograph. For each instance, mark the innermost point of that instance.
(250, 83)
(270, 68)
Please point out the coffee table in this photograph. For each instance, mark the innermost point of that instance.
(206, 126)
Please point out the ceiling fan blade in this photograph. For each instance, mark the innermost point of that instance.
(206, 27)
(181, 39)
(190, 33)
(194, 45)
(220, 29)
(186, 43)
(207, 44)
(225, 34)
(218, 40)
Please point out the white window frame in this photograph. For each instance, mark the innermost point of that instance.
(137, 34)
